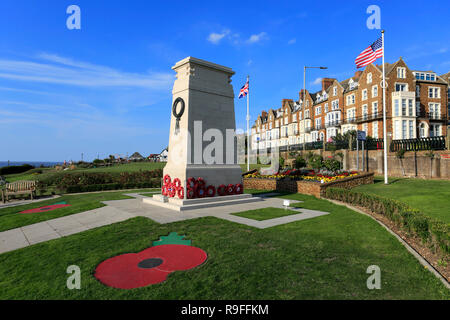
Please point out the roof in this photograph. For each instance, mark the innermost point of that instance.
(136, 155)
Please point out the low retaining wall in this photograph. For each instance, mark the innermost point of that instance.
(307, 187)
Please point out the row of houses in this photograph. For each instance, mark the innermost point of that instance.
(417, 105)
(155, 157)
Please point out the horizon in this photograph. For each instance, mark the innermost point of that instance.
(106, 89)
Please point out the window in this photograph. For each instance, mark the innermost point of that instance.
(270, 125)
(369, 78)
(396, 107)
(364, 111)
(375, 130)
(294, 117)
(410, 108)
(306, 114)
(403, 107)
(401, 73)
(417, 90)
(403, 129)
(434, 92)
(435, 130)
(318, 110)
(435, 109)
(351, 99)
(326, 107)
(397, 129)
(374, 91)
(318, 122)
(422, 130)
(334, 91)
(400, 87)
(335, 105)
(286, 120)
(418, 108)
(364, 94)
(366, 128)
(411, 128)
(374, 107)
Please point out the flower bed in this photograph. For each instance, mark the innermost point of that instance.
(307, 183)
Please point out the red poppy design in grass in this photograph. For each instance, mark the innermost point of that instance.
(150, 266)
(46, 208)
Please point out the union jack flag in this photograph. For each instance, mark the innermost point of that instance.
(244, 90)
(369, 55)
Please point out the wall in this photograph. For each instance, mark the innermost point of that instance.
(307, 187)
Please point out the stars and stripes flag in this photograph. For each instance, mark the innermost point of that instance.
(369, 55)
(244, 90)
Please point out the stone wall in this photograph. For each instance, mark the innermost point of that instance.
(413, 165)
(307, 187)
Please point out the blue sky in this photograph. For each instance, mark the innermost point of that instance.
(106, 89)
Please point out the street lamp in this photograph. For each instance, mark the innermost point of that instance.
(304, 102)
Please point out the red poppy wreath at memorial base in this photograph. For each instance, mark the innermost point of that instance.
(151, 265)
(196, 188)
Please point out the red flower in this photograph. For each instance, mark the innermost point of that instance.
(150, 266)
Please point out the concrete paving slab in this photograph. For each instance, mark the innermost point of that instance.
(39, 232)
(12, 239)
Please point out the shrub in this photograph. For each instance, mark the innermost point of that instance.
(315, 161)
(433, 232)
(15, 169)
(332, 164)
(300, 162)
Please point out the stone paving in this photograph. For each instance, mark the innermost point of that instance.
(121, 210)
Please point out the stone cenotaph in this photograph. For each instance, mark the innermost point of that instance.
(202, 168)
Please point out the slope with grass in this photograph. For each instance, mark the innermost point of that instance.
(432, 197)
(321, 258)
(11, 217)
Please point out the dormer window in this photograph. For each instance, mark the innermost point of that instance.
(369, 78)
(352, 84)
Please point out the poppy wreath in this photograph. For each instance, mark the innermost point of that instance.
(180, 192)
(171, 190)
(190, 193)
(152, 265)
(201, 182)
(210, 191)
(177, 183)
(164, 191)
(191, 182)
(167, 180)
(200, 191)
(230, 189)
(238, 189)
(222, 190)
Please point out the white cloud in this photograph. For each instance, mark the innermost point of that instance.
(292, 41)
(257, 37)
(65, 71)
(216, 37)
(317, 81)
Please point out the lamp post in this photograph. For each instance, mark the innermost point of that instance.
(304, 98)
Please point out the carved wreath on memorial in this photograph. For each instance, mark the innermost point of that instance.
(179, 114)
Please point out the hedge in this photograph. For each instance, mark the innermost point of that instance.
(433, 232)
(15, 169)
(112, 186)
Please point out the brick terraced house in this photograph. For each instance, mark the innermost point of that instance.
(417, 105)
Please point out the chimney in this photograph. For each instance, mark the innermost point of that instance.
(264, 114)
(326, 83)
(300, 94)
(358, 74)
(284, 101)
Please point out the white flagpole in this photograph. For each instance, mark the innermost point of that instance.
(248, 126)
(384, 117)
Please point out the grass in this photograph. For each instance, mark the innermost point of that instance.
(10, 217)
(321, 258)
(265, 213)
(429, 196)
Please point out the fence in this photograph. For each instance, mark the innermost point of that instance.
(431, 143)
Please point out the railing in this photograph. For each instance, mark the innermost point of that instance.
(350, 120)
(368, 117)
(334, 123)
(433, 116)
(431, 143)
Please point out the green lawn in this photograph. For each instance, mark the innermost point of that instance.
(432, 197)
(10, 218)
(266, 213)
(321, 258)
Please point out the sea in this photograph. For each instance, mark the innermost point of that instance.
(33, 163)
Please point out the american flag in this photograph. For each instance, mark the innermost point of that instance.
(244, 90)
(372, 53)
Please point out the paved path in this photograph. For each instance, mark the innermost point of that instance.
(121, 210)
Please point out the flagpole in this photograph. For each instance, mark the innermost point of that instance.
(384, 117)
(248, 125)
